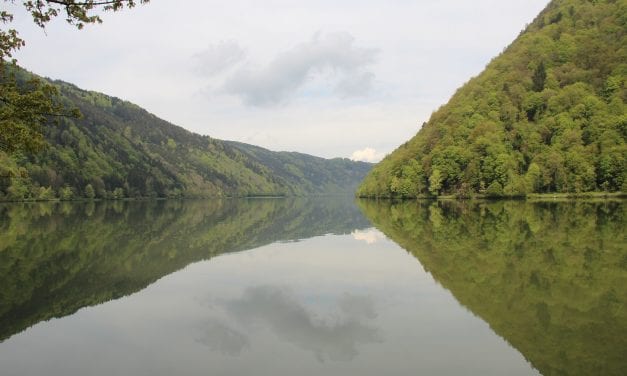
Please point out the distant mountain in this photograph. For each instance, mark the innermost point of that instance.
(547, 115)
(118, 149)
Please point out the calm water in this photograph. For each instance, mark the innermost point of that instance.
(313, 287)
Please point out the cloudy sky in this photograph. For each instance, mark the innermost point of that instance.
(329, 78)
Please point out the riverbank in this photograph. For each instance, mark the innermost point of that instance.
(528, 197)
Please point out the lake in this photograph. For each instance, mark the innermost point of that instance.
(325, 286)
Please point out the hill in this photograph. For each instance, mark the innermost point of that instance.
(547, 115)
(118, 149)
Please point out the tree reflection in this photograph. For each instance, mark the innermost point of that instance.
(550, 278)
(58, 257)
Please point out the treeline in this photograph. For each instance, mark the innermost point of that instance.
(118, 150)
(547, 115)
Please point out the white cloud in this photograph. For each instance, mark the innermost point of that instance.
(367, 155)
(218, 57)
(334, 54)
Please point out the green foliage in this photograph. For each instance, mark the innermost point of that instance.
(117, 194)
(435, 182)
(171, 144)
(494, 190)
(90, 193)
(19, 187)
(120, 150)
(539, 78)
(27, 106)
(547, 115)
(66, 193)
(46, 194)
(550, 278)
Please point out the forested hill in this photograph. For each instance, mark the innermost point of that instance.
(118, 149)
(547, 115)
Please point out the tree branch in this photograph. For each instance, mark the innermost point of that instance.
(71, 2)
(94, 3)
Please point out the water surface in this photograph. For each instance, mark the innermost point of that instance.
(311, 287)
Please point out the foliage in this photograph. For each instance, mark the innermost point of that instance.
(547, 115)
(57, 257)
(123, 151)
(24, 106)
(550, 278)
(89, 191)
(27, 106)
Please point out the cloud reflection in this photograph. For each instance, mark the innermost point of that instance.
(221, 338)
(276, 309)
(370, 236)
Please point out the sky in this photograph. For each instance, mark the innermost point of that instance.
(352, 79)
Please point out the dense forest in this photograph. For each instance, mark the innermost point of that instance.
(116, 149)
(57, 257)
(548, 277)
(547, 115)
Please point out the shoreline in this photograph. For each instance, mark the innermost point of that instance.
(529, 197)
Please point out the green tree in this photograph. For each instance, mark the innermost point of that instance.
(495, 189)
(118, 193)
(19, 187)
(539, 77)
(435, 182)
(66, 193)
(89, 191)
(533, 178)
(26, 106)
(45, 194)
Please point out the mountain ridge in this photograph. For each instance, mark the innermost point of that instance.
(118, 150)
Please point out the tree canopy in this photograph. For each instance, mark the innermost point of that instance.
(547, 115)
(27, 104)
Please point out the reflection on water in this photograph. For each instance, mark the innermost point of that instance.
(58, 257)
(219, 337)
(461, 288)
(550, 278)
(277, 309)
(370, 236)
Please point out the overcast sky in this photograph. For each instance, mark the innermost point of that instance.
(328, 78)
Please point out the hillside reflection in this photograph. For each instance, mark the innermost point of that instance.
(550, 278)
(56, 258)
